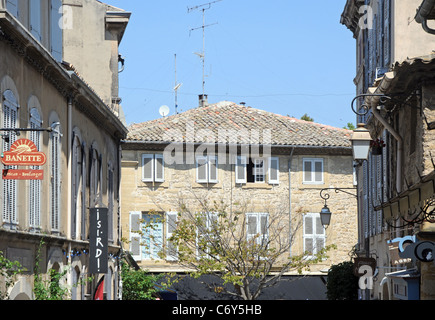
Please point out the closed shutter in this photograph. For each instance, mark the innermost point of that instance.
(307, 171)
(240, 169)
(314, 234)
(147, 167)
(159, 168)
(135, 238)
(201, 169)
(10, 111)
(35, 185)
(171, 226)
(273, 175)
(318, 171)
(55, 179)
(212, 169)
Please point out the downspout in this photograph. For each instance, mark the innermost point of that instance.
(290, 199)
(399, 147)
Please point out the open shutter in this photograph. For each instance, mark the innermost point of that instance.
(35, 19)
(135, 237)
(201, 169)
(56, 33)
(171, 226)
(273, 174)
(240, 169)
(159, 169)
(12, 7)
(147, 167)
(212, 169)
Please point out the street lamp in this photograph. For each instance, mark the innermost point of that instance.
(360, 143)
(325, 216)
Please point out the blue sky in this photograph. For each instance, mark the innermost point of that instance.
(284, 56)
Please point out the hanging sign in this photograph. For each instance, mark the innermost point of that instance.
(23, 152)
(98, 240)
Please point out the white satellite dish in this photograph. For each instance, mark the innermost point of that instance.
(164, 111)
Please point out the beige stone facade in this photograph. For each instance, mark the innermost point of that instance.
(289, 196)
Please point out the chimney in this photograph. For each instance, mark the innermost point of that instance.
(203, 100)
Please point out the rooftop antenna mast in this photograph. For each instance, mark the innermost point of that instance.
(203, 7)
(176, 86)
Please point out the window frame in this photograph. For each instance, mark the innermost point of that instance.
(208, 169)
(313, 171)
(154, 157)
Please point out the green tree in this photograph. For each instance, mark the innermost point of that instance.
(307, 118)
(350, 126)
(218, 240)
(342, 283)
(138, 284)
(9, 270)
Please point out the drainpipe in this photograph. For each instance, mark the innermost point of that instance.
(290, 198)
(399, 147)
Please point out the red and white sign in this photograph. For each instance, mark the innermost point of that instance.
(23, 174)
(23, 152)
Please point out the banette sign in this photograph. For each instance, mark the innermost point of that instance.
(23, 152)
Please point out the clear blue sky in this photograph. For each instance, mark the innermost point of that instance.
(284, 56)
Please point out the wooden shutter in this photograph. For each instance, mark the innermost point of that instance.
(212, 169)
(35, 19)
(56, 33)
(55, 178)
(159, 168)
(10, 111)
(240, 169)
(35, 185)
(12, 7)
(171, 226)
(273, 174)
(147, 167)
(201, 169)
(135, 238)
(318, 171)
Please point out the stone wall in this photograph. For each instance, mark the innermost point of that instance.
(180, 183)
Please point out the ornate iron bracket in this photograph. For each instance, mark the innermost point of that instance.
(325, 195)
(366, 108)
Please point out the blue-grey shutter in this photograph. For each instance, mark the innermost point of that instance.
(56, 33)
(35, 19)
(240, 169)
(135, 238)
(273, 174)
(12, 7)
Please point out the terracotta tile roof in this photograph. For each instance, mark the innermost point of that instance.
(226, 122)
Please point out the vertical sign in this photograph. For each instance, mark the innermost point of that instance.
(98, 240)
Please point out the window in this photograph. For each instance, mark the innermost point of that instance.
(10, 118)
(153, 168)
(35, 185)
(55, 177)
(258, 228)
(206, 234)
(313, 171)
(253, 170)
(206, 169)
(314, 234)
(147, 231)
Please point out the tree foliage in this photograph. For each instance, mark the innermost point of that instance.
(138, 284)
(342, 283)
(9, 270)
(215, 240)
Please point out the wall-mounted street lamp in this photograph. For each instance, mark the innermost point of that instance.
(361, 143)
(325, 213)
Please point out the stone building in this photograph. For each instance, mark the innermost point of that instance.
(394, 87)
(199, 154)
(71, 119)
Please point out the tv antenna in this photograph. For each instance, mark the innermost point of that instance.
(176, 86)
(201, 55)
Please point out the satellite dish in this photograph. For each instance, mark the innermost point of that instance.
(164, 111)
